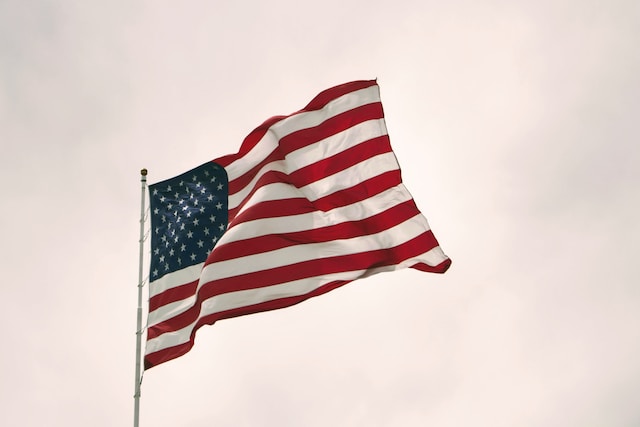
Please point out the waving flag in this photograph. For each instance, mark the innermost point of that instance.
(311, 201)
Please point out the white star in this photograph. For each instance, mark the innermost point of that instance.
(196, 222)
(193, 256)
(220, 186)
(156, 211)
(212, 218)
(219, 206)
(200, 243)
(210, 197)
(169, 188)
(171, 252)
(190, 234)
(206, 231)
(221, 227)
(183, 247)
(155, 191)
(155, 272)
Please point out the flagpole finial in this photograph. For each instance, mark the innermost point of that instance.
(143, 172)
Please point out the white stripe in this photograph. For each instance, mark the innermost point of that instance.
(170, 310)
(269, 141)
(344, 179)
(237, 198)
(274, 191)
(312, 119)
(307, 221)
(334, 144)
(231, 300)
(261, 227)
(432, 258)
(352, 176)
(388, 238)
(310, 154)
(177, 278)
(245, 297)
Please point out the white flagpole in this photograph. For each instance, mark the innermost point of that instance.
(136, 396)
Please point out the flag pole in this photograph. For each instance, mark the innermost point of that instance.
(136, 396)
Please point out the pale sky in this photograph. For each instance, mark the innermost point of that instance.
(516, 125)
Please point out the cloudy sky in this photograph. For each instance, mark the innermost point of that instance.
(516, 124)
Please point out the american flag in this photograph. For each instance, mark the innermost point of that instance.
(311, 201)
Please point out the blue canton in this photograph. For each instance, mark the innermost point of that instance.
(188, 217)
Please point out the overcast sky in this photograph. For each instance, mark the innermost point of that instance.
(516, 124)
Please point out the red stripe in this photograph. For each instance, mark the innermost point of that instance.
(270, 177)
(274, 209)
(172, 295)
(346, 230)
(328, 95)
(249, 142)
(154, 359)
(318, 267)
(440, 268)
(340, 161)
(360, 191)
(283, 207)
(170, 353)
(297, 271)
(239, 183)
(317, 103)
(179, 350)
(305, 137)
(255, 245)
(336, 124)
(321, 169)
